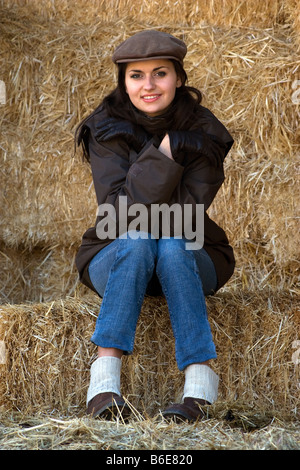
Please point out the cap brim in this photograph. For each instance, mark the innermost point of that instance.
(141, 59)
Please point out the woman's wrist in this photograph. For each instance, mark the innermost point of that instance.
(165, 147)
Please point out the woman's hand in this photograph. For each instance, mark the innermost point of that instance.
(165, 147)
(197, 142)
(112, 128)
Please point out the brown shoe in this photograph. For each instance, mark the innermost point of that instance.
(108, 405)
(190, 410)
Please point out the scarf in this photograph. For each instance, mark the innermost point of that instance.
(158, 125)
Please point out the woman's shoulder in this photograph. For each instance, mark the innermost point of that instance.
(207, 120)
(96, 117)
(204, 115)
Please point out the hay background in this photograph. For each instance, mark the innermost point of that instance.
(55, 62)
(50, 354)
(56, 72)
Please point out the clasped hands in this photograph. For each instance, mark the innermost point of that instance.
(175, 144)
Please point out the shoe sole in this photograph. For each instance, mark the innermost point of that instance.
(113, 410)
(177, 417)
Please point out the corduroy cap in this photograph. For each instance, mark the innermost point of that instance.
(148, 45)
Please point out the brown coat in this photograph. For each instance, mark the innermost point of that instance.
(150, 177)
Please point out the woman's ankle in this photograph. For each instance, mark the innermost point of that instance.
(112, 352)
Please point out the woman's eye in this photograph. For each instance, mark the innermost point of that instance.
(137, 76)
(161, 74)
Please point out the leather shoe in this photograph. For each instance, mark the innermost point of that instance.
(190, 410)
(108, 405)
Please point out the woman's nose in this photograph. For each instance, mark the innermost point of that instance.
(149, 83)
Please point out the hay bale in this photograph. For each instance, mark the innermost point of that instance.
(38, 275)
(248, 431)
(57, 71)
(55, 63)
(185, 12)
(260, 216)
(52, 337)
(291, 9)
(49, 353)
(40, 190)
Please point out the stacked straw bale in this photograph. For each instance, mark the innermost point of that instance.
(55, 63)
(57, 72)
(240, 13)
(187, 12)
(47, 367)
(33, 275)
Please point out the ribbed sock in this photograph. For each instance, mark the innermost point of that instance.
(201, 382)
(105, 376)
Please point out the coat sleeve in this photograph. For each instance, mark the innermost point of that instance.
(150, 178)
(147, 178)
(199, 184)
(208, 122)
(201, 181)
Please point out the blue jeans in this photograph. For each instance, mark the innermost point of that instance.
(121, 272)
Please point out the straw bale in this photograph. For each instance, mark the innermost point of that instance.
(26, 432)
(292, 14)
(250, 88)
(39, 275)
(40, 179)
(49, 353)
(57, 71)
(40, 190)
(182, 12)
(55, 65)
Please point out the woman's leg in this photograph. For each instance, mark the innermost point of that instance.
(99, 271)
(130, 272)
(120, 273)
(178, 272)
(186, 276)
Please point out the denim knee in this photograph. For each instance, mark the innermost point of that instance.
(173, 250)
(140, 247)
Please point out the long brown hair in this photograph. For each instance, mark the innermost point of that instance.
(117, 104)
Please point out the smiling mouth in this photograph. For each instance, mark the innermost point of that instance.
(150, 98)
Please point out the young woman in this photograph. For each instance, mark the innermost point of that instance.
(151, 144)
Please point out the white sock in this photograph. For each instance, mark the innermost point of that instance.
(201, 382)
(105, 376)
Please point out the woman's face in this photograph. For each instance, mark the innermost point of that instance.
(151, 85)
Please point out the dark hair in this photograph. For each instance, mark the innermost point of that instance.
(117, 104)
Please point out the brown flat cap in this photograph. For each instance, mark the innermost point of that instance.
(148, 45)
